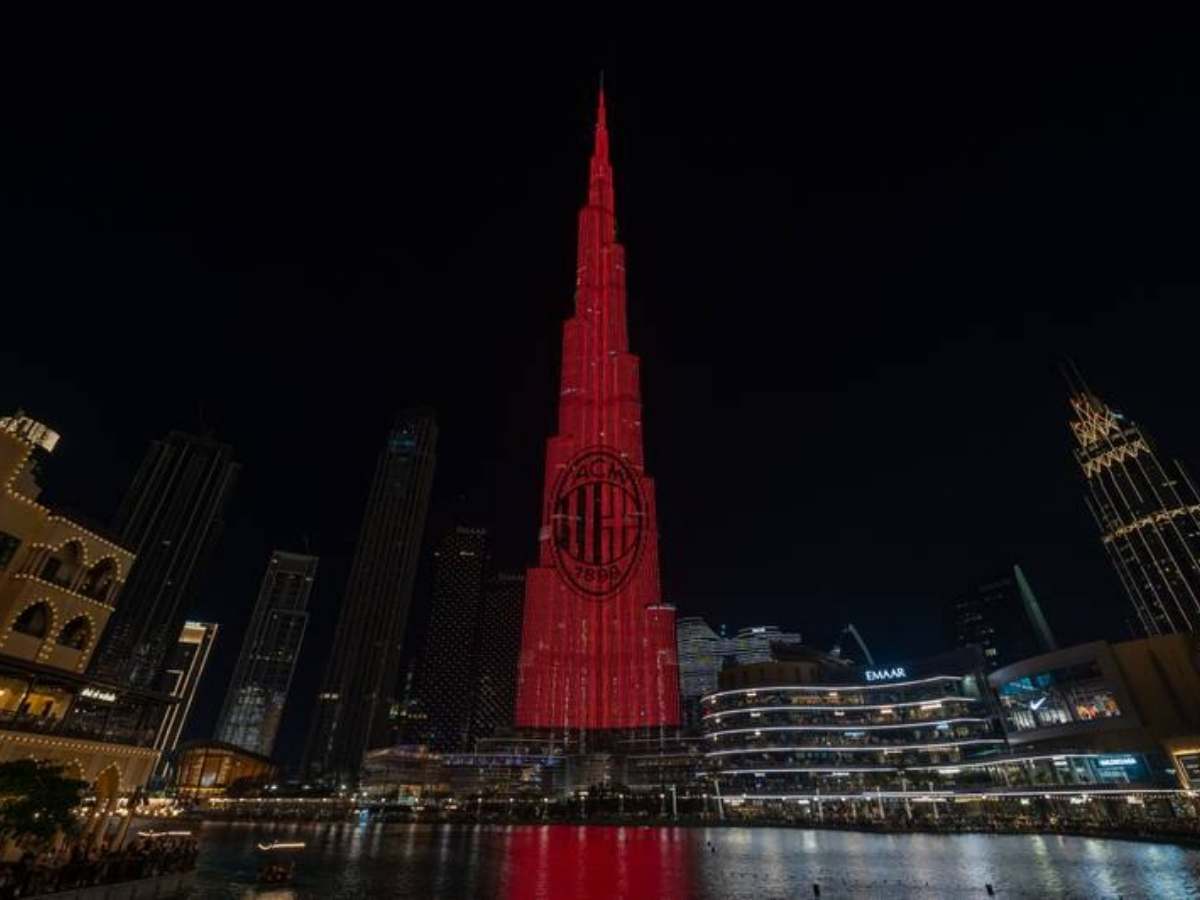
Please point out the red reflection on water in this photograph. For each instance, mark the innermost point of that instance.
(563, 861)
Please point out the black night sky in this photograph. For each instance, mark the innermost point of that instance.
(854, 264)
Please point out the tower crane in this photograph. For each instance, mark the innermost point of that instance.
(853, 632)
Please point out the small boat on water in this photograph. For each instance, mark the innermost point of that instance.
(282, 845)
(276, 868)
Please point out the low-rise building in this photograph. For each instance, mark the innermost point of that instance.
(404, 772)
(59, 584)
(213, 768)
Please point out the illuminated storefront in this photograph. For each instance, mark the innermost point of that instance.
(598, 643)
(1076, 693)
(1134, 700)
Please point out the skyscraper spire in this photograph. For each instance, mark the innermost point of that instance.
(600, 189)
(1074, 378)
(598, 643)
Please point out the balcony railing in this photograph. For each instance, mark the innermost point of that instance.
(68, 728)
(64, 587)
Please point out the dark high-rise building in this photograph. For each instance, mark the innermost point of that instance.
(171, 518)
(598, 642)
(361, 679)
(1003, 618)
(258, 692)
(499, 651)
(1148, 514)
(408, 720)
(450, 660)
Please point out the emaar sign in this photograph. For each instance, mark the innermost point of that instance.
(886, 674)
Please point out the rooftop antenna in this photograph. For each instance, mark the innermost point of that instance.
(1073, 377)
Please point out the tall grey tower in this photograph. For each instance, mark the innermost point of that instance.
(1148, 513)
(254, 704)
(361, 679)
(171, 518)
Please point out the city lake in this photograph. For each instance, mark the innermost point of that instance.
(560, 862)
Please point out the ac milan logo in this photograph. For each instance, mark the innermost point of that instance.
(597, 520)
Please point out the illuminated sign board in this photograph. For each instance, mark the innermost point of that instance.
(34, 432)
(97, 694)
(1109, 762)
(886, 674)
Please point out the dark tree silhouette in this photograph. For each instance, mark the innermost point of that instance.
(37, 801)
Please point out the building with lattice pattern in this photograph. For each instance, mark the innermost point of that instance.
(449, 681)
(499, 650)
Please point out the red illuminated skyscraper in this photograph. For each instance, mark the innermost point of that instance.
(598, 643)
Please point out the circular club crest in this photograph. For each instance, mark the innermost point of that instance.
(597, 520)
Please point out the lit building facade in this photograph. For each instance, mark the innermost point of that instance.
(208, 769)
(449, 681)
(1148, 514)
(402, 772)
(703, 653)
(701, 656)
(59, 585)
(253, 706)
(171, 517)
(598, 642)
(185, 667)
(361, 680)
(1002, 617)
(809, 725)
(809, 737)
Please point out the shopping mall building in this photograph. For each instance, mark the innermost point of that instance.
(804, 725)
(813, 731)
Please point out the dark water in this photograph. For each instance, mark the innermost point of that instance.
(560, 862)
